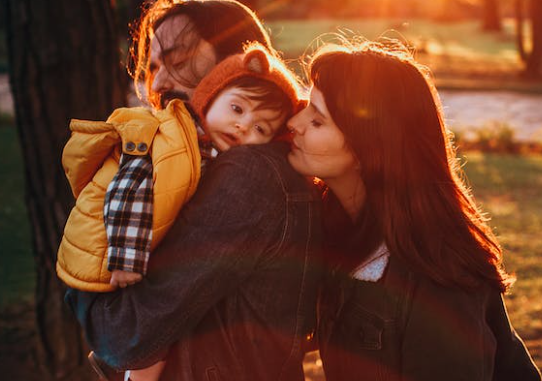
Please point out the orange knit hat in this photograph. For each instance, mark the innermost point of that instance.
(254, 62)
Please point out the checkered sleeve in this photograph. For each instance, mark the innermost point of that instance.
(128, 209)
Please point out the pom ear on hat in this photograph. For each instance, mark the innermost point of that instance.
(256, 61)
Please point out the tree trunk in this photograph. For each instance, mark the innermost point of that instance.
(63, 63)
(534, 63)
(520, 35)
(532, 59)
(492, 18)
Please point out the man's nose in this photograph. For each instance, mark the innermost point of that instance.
(162, 80)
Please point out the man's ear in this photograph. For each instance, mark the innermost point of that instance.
(256, 61)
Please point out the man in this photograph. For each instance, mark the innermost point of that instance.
(231, 287)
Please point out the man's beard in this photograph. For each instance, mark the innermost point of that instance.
(168, 96)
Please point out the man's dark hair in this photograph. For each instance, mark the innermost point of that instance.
(226, 24)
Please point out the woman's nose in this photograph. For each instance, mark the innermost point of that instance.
(294, 125)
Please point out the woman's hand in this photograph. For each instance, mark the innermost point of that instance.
(122, 279)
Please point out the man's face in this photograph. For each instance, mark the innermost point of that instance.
(179, 59)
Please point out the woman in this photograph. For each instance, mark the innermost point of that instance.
(416, 281)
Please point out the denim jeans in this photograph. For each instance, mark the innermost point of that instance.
(233, 284)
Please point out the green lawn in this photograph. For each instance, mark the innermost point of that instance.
(461, 38)
(460, 54)
(509, 188)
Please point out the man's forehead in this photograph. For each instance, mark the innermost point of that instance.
(174, 32)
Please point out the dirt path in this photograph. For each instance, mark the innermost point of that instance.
(474, 109)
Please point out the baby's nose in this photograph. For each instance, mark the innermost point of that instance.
(242, 127)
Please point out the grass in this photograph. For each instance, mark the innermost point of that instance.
(509, 189)
(463, 39)
(460, 54)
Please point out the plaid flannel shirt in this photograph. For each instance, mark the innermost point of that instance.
(128, 209)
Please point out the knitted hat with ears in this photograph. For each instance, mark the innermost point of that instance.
(255, 62)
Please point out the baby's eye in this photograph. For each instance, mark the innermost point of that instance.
(260, 129)
(236, 108)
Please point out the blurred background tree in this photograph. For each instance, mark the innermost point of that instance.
(492, 16)
(530, 53)
(63, 63)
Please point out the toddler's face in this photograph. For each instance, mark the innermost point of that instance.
(234, 119)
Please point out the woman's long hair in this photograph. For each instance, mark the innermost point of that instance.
(226, 24)
(388, 108)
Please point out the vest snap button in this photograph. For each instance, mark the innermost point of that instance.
(142, 147)
(130, 146)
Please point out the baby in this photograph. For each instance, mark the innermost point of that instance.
(127, 198)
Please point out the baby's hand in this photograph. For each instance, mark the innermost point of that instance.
(121, 278)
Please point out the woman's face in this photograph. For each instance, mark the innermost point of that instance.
(319, 147)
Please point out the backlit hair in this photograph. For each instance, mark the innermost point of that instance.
(386, 105)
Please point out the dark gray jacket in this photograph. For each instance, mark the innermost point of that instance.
(231, 284)
(406, 327)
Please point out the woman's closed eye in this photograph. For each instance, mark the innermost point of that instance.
(316, 123)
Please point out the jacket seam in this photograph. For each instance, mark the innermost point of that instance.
(296, 344)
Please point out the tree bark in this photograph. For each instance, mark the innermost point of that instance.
(491, 14)
(63, 63)
(520, 35)
(534, 63)
(532, 59)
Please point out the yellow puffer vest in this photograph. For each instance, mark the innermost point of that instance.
(91, 160)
